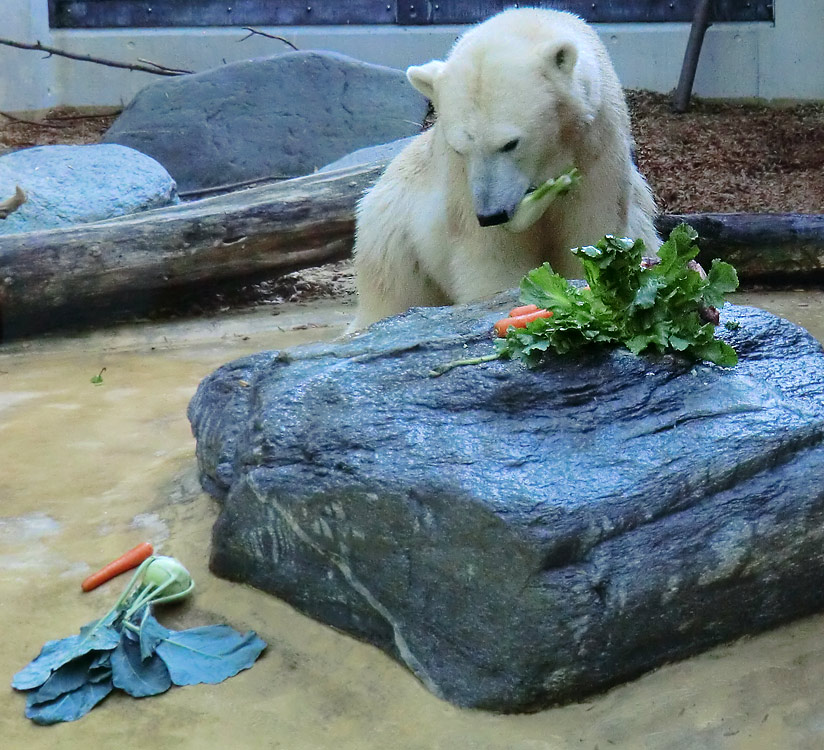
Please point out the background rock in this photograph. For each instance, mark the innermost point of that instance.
(518, 538)
(282, 116)
(68, 185)
(384, 151)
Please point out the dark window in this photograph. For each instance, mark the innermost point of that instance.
(146, 13)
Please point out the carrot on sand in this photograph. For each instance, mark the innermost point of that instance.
(126, 561)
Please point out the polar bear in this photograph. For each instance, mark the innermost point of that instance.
(520, 98)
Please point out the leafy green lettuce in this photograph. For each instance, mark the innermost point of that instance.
(645, 308)
(130, 650)
(138, 655)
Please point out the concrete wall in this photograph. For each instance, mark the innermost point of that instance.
(26, 79)
(784, 60)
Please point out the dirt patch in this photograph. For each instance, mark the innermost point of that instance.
(62, 125)
(330, 281)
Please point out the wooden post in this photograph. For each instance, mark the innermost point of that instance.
(700, 22)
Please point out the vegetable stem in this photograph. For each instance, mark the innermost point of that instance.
(441, 369)
(535, 204)
(144, 595)
(175, 595)
(122, 598)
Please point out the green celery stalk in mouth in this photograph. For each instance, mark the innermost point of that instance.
(535, 203)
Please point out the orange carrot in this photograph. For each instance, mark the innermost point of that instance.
(127, 561)
(520, 321)
(516, 312)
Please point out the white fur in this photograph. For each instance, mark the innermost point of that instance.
(538, 77)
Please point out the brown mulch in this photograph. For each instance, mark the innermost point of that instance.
(57, 126)
(731, 157)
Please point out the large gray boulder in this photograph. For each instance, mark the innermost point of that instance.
(282, 116)
(522, 537)
(68, 185)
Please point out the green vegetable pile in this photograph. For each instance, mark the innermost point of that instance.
(653, 308)
(129, 649)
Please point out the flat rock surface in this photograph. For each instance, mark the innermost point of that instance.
(68, 185)
(282, 116)
(522, 537)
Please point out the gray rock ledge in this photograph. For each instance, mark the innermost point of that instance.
(521, 538)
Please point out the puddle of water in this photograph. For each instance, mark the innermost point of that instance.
(806, 308)
(89, 471)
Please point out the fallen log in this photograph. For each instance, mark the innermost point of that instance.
(48, 278)
(762, 247)
(247, 234)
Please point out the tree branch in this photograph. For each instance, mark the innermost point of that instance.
(9, 206)
(95, 116)
(37, 123)
(256, 32)
(164, 68)
(157, 70)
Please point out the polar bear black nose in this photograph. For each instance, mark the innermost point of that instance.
(491, 220)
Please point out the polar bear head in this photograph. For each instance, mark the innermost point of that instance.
(514, 100)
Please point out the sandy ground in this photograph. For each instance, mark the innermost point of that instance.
(89, 471)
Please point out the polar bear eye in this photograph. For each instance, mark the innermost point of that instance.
(510, 145)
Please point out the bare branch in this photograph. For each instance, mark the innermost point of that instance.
(10, 205)
(96, 116)
(257, 32)
(38, 123)
(156, 70)
(166, 69)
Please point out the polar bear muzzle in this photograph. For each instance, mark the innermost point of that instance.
(497, 186)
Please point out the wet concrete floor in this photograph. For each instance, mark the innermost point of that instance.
(88, 471)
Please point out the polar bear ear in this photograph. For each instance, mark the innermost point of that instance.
(423, 77)
(560, 55)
